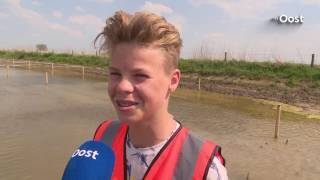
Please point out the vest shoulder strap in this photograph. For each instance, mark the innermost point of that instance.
(101, 128)
(195, 158)
(107, 131)
(113, 134)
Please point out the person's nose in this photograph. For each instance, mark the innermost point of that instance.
(125, 86)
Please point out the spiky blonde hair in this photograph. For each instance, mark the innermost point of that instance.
(144, 28)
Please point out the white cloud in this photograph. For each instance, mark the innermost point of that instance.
(80, 9)
(3, 15)
(102, 1)
(35, 2)
(57, 14)
(213, 35)
(177, 21)
(60, 27)
(12, 2)
(241, 8)
(87, 19)
(35, 18)
(156, 8)
(311, 2)
(160, 9)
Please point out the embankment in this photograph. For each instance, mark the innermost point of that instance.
(295, 84)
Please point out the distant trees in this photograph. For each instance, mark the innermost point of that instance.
(41, 47)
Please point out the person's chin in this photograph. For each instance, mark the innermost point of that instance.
(128, 117)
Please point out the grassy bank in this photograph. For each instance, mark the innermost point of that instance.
(56, 58)
(292, 74)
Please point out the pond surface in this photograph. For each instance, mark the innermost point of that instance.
(42, 125)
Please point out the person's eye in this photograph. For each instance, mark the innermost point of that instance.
(142, 76)
(115, 74)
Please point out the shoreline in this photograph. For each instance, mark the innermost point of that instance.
(304, 97)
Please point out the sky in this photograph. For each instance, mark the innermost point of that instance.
(242, 28)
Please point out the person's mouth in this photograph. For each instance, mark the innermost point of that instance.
(126, 105)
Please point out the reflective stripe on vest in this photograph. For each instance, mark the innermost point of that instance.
(185, 156)
(196, 156)
(113, 133)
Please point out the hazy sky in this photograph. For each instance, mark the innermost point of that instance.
(241, 27)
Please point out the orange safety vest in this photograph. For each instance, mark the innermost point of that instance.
(184, 156)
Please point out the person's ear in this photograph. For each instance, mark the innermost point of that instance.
(175, 79)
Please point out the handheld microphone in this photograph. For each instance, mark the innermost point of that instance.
(93, 160)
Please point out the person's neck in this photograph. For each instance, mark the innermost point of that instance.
(152, 131)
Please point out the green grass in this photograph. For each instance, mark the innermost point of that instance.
(291, 73)
(57, 58)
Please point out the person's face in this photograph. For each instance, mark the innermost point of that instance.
(138, 86)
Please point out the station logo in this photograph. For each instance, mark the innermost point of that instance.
(285, 19)
(85, 153)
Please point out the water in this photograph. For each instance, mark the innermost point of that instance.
(42, 125)
(246, 137)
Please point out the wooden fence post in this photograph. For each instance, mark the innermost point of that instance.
(7, 71)
(225, 56)
(82, 72)
(312, 60)
(52, 69)
(276, 130)
(46, 78)
(199, 83)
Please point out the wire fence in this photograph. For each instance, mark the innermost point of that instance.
(250, 56)
(53, 67)
(299, 58)
(63, 51)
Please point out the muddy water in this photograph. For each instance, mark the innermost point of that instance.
(42, 125)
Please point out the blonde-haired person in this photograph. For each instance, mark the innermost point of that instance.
(149, 143)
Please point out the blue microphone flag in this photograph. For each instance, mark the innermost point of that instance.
(93, 160)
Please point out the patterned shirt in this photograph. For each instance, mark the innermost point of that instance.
(139, 159)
